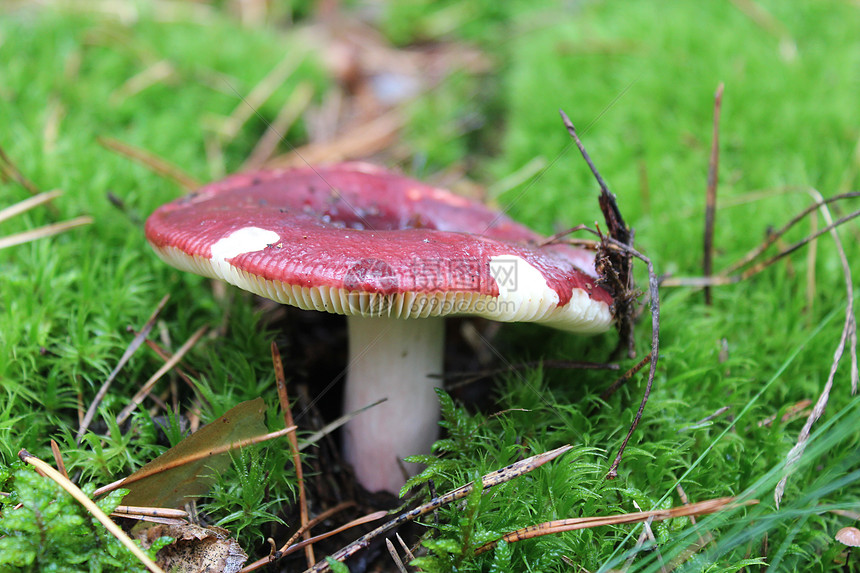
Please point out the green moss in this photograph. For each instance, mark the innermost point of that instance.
(638, 81)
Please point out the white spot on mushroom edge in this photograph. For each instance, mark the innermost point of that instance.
(247, 240)
(524, 295)
(523, 290)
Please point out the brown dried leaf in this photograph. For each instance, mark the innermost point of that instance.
(178, 484)
(196, 549)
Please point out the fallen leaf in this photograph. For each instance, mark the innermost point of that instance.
(176, 486)
(195, 549)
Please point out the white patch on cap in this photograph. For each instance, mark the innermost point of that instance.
(525, 296)
(523, 292)
(247, 240)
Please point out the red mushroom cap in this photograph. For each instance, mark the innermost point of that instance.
(356, 239)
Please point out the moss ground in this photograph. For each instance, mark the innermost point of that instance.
(637, 78)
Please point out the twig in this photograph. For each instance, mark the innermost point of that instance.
(126, 356)
(704, 420)
(561, 525)
(776, 235)
(58, 459)
(290, 548)
(90, 506)
(334, 425)
(28, 204)
(42, 232)
(283, 397)
(614, 266)
(499, 476)
(151, 161)
(141, 394)
(849, 337)
(654, 297)
(394, 556)
(613, 388)
(720, 279)
(649, 535)
(711, 196)
(8, 170)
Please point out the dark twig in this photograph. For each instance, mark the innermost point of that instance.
(722, 279)
(776, 235)
(613, 266)
(711, 197)
(139, 338)
(492, 479)
(613, 388)
(284, 399)
(654, 295)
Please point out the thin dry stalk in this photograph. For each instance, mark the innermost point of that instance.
(649, 535)
(126, 356)
(283, 397)
(43, 232)
(614, 266)
(792, 412)
(151, 511)
(58, 459)
(298, 101)
(613, 388)
(261, 92)
(290, 546)
(164, 355)
(331, 427)
(150, 76)
(160, 515)
(28, 204)
(776, 235)
(488, 481)
(722, 279)
(90, 506)
(561, 525)
(141, 394)
(614, 263)
(151, 161)
(8, 170)
(849, 338)
(704, 420)
(711, 196)
(360, 141)
(394, 556)
(406, 550)
(654, 298)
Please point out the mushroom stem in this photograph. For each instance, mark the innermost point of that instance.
(391, 358)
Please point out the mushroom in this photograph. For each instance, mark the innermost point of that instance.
(395, 256)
